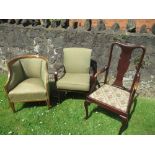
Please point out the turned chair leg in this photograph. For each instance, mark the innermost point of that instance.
(86, 104)
(124, 124)
(12, 105)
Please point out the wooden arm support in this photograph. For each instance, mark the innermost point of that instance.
(94, 79)
(133, 90)
(56, 76)
(135, 86)
(137, 81)
(101, 71)
(56, 73)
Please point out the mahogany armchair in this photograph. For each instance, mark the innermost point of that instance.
(116, 98)
(77, 76)
(27, 80)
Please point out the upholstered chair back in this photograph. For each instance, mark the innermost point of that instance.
(31, 67)
(24, 68)
(77, 60)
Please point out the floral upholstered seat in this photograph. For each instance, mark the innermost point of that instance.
(112, 96)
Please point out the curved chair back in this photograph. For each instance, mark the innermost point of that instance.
(25, 66)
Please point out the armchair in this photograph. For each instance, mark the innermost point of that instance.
(27, 80)
(116, 98)
(77, 75)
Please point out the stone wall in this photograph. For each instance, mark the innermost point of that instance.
(16, 40)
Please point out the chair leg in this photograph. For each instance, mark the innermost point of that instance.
(59, 97)
(86, 104)
(48, 103)
(124, 124)
(12, 105)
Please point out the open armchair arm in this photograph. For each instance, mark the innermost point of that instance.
(94, 79)
(101, 71)
(133, 90)
(56, 73)
(135, 86)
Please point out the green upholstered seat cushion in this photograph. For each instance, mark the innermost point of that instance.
(31, 89)
(74, 81)
(77, 60)
(31, 67)
(17, 75)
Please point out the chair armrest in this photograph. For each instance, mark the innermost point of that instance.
(93, 81)
(56, 73)
(100, 71)
(93, 68)
(135, 86)
(7, 84)
(44, 74)
(15, 75)
(137, 81)
(56, 76)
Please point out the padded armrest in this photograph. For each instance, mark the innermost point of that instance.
(15, 75)
(44, 73)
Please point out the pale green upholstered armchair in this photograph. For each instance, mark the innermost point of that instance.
(77, 70)
(27, 80)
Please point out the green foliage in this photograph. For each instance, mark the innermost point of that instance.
(67, 118)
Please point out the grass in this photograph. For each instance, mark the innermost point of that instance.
(67, 118)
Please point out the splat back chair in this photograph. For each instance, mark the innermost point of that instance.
(77, 70)
(27, 80)
(116, 98)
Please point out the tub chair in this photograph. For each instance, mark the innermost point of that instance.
(27, 80)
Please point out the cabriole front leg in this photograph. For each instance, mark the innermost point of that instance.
(124, 124)
(86, 104)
